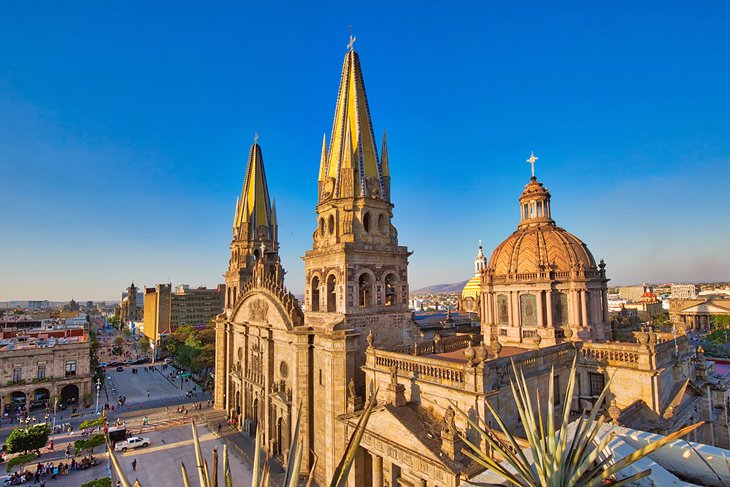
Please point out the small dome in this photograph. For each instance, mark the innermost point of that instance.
(471, 288)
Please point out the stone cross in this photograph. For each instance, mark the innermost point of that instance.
(350, 45)
(531, 161)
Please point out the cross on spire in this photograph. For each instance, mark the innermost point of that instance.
(256, 137)
(350, 45)
(531, 161)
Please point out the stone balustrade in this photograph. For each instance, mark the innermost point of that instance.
(439, 345)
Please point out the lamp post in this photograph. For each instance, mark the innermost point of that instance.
(55, 408)
(98, 388)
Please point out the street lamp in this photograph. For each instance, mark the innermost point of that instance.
(98, 388)
(55, 408)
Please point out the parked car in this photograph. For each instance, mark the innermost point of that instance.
(120, 368)
(132, 442)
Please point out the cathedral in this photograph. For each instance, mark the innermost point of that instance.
(541, 299)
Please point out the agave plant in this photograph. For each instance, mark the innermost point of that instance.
(557, 460)
(261, 475)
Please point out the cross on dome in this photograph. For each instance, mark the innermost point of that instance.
(531, 161)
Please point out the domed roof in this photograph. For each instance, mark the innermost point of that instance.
(471, 288)
(533, 246)
(538, 244)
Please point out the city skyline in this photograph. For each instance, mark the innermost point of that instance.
(121, 168)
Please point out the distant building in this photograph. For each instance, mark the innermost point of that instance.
(165, 310)
(696, 314)
(38, 305)
(685, 291)
(131, 305)
(634, 293)
(40, 365)
(647, 306)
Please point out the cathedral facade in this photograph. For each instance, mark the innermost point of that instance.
(541, 299)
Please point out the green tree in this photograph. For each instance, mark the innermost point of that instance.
(20, 460)
(92, 423)
(90, 444)
(721, 321)
(103, 482)
(144, 342)
(26, 439)
(118, 341)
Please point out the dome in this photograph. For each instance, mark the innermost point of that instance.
(471, 288)
(538, 244)
(534, 246)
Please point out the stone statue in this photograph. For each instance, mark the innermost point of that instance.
(394, 375)
(449, 421)
(351, 388)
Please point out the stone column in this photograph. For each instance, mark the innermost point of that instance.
(549, 303)
(575, 307)
(488, 308)
(510, 309)
(583, 307)
(220, 365)
(604, 302)
(377, 470)
(540, 318)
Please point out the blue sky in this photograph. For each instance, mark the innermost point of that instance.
(124, 128)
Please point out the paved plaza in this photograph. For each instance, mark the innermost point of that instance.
(159, 463)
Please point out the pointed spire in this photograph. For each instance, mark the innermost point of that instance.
(352, 144)
(323, 159)
(385, 167)
(254, 206)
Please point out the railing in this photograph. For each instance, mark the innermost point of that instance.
(596, 352)
(422, 368)
(437, 345)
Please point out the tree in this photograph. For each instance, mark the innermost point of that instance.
(144, 342)
(103, 482)
(721, 321)
(92, 423)
(90, 444)
(26, 439)
(20, 460)
(118, 341)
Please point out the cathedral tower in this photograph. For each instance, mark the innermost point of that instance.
(254, 229)
(356, 273)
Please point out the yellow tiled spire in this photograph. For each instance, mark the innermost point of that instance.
(352, 168)
(254, 218)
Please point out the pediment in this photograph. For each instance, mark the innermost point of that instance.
(261, 308)
(705, 308)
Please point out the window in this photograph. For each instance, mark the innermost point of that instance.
(331, 293)
(70, 368)
(528, 309)
(320, 376)
(366, 222)
(597, 383)
(364, 289)
(525, 211)
(17, 374)
(42, 371)
(528, 333)
(315, 294)
(503, 309)
(557, 395)
(331, 224)
(502, 332)
(390, 290)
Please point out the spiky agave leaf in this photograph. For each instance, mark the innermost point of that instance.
(186, 481)
(292, 463)
(256, 477)
(339, 479)
(226, 467)
(117, 468)
(311, 470)
(199, 457)
(557, 460)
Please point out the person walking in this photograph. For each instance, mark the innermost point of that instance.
(134, 465)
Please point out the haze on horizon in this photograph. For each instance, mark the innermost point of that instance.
(124, 131)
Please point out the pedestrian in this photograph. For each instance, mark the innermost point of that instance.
(148, 393)
(43, 482)
(219, 427)
(134, 465)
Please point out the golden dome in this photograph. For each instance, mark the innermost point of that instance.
(538, 244)
(471, 288)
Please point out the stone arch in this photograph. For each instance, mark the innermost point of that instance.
(366, 221)
(331, 292)
(40, 398)
(365, 284)
(264, 304)
(321, 226)
(331, 224)
(314, 293)
(70, 395)
(390, 285)
(16, 400)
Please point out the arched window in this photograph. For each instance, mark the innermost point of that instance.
(230, 302)
(315, 293)
(365, 289)
(390, 290)
(366, 221)
(382, 225)
(331, 224)
(331, 293)
(321, 226)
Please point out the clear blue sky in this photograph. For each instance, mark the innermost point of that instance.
(124, 128)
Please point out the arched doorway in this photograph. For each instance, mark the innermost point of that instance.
(238, 403)
(40, 398)
(17, 402)
(70, 395)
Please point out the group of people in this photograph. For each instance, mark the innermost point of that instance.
(49, 469)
